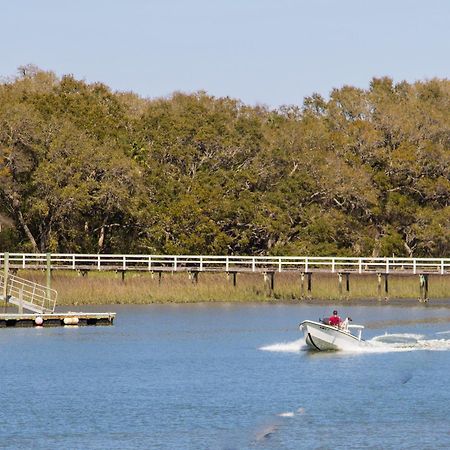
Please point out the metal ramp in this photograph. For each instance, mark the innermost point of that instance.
(27, 294)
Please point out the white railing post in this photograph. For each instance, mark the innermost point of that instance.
(387, 265)
(442, 267)
(73, 262)
(201, 263)
(98, 262)
(174, 263)
(279, 264)
(23, 262)
(360, 265)
(333, 265)
(20, 300)
(149, 263)
(253, 265)
(227, 264)
(124, 262)
(306, 264)
(414, 266)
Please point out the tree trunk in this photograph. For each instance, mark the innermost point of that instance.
(27, 231)
(18, 216)
(101, 239)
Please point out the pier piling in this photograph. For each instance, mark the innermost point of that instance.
(347, 285)
(269, 278)
(309, 275)
(48, 273)
(5, 278)
(379, 287)
(423, 281)
(386, 287)
(233, 277)
(302, 285)
(193, 276)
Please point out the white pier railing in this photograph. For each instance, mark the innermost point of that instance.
(205, 263)
(27, 294)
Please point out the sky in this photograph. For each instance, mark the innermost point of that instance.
(259, 51)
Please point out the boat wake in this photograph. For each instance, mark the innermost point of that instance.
(398, 342)
(388, 342)
(286, 347)
(399, 338)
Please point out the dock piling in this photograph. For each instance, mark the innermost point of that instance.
(193, 276)
(379, 287)
(233, 276)
(423, 281)
(309, 275)
(269, 278)
(386, 287)
(48, 271)
(302, 285)
(5, 279)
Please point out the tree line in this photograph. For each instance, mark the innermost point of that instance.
(85, 169)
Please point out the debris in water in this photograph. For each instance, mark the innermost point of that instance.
(266, 433)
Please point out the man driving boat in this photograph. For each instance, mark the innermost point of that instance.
(335, 320)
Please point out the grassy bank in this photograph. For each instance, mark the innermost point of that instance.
(143, 288)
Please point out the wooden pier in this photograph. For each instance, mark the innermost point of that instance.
(83, 263)
(194, 265)
(56, 319)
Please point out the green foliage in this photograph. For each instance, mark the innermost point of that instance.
(9, 240)
(84, 169)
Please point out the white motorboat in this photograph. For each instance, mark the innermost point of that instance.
(321, 336)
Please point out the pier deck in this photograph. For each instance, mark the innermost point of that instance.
(56, 319)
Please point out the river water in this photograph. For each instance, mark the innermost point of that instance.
(227, 376)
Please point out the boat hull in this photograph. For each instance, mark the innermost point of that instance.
(321, 337)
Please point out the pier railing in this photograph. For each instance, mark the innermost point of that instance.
(201, 263)
(27, 294)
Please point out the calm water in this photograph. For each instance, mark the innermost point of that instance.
(226, 377)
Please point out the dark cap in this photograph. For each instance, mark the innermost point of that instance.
(335, 312)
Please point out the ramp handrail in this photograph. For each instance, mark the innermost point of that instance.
(29, 292)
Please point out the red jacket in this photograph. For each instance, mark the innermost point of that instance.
(334, 320)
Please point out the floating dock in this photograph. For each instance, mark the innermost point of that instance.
(40, 301)
(56, 319)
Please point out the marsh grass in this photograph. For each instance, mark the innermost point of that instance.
(144, 288)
